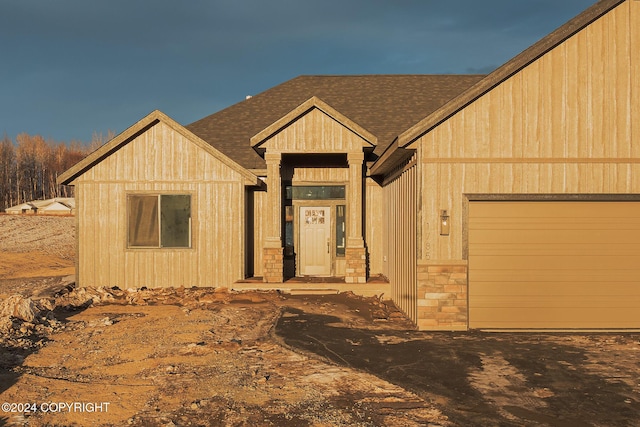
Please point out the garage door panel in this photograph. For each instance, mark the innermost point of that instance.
(558, 249)
(515, 291)
(553, 209)
(555, 301)
(542, 276)
(554, 318)
(554, 264)
(546, 236)
(578, 224)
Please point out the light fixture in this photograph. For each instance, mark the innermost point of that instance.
(444, 223)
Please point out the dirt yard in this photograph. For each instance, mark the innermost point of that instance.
(209, 357)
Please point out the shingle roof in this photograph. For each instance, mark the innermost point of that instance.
(385, 105)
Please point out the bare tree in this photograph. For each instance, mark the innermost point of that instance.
(7, 172)
(29, 169)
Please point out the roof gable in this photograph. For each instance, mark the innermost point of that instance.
(141, 126)
(56, 206)
(507, 70)
(259, 140)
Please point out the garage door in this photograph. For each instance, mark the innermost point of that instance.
(554, 265)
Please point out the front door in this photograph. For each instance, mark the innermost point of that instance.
(315, 241)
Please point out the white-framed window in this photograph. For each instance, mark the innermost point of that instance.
(159, 221)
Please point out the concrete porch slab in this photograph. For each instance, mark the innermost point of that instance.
(375, 286)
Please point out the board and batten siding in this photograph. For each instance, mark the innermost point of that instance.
(160, 161)
(259, 208)
(316, 133)
(400, 197)
(374, 226)
(565, 124)
(320, 176)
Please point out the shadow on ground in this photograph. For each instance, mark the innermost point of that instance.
(483, 379)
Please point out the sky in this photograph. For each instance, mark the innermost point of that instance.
(72, 69)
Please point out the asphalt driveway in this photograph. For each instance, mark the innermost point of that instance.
(490, 379)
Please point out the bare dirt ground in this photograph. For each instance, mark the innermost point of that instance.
(209, 357)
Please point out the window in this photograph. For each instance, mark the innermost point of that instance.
(159, 221)
(311, 192)
(340, 229)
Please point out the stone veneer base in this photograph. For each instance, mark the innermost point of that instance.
(272, 270)
(442, 297)
(356, 265)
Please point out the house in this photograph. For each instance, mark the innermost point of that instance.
(26, 208)
(55, 206)
(506, 201)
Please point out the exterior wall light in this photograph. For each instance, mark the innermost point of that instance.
(444, 223)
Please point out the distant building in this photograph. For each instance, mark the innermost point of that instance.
(56, 206)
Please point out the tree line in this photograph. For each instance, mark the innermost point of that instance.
(30, 166)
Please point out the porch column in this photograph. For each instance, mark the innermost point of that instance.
(355, 252)
(272, 270)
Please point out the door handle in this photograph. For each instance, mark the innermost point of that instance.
(327, 247)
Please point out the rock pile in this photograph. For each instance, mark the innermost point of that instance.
(24, 321)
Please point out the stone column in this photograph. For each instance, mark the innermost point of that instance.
(355, 252)
(272, 270)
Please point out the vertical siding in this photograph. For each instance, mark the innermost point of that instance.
(374, 226)
(330, 176)
(259, 207)
(160, 161)
(315, 132)
(401, 216)
(565, 124)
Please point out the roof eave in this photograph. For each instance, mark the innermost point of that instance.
(392, 156)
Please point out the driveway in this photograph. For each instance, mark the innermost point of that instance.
(489, 379)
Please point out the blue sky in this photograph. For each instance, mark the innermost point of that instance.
(72, 68)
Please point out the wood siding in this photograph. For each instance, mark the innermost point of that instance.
(554, 264)
(400, 211)
(320, 176)
(374, 226)
(565, 124)
(158, 161)
(315, 132)
(259, 227)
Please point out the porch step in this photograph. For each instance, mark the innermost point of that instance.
(301, 288)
